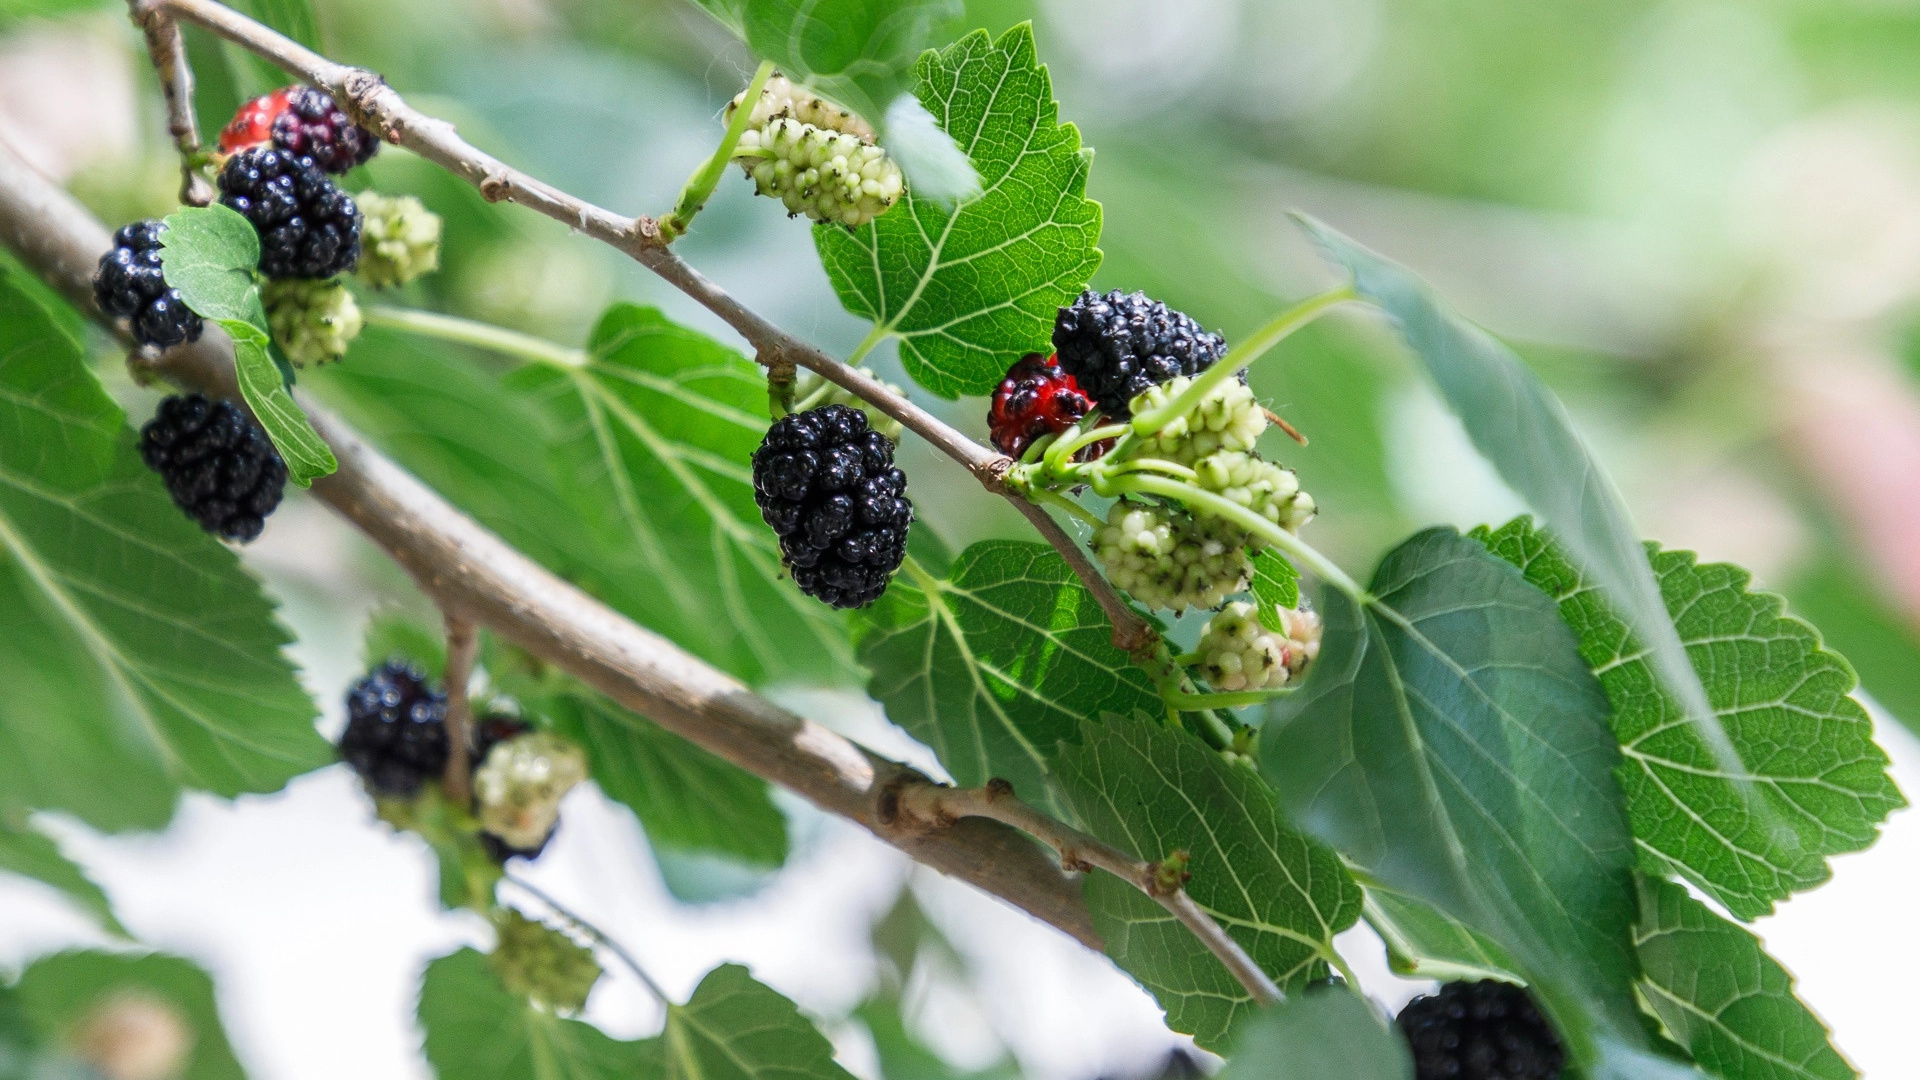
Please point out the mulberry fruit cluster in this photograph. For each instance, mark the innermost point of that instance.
(1170, 559)
(1237, 652)
(218, 466)
(1486, 1030)
(519, 784)
(396, 736)
(1227, 417)
(308, 227)
(129, 282)
(304, 122)
(827, 486)
(542, 964)
(783, 99)
(1120, 345)
(399, 239)
(817, 158)
(1036, 399)
(832, 177)
(313, 321)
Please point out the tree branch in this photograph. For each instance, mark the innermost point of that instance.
(942, 807)
(466, 569)
(168, 51)
(463, 646)
(379, 108)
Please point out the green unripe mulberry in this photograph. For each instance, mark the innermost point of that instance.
(399, 239)
(542, 964)
(817, 158)
(312, 321)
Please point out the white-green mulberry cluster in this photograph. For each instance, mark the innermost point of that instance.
(542, 964)
(1226, 418)
(313, 321)
(1269, 490)
(1238, 653)
(399, 239)
(1172, 560)
(816, 157)
(782, 99)
(520, 785)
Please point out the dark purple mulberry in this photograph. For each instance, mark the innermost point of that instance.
(827, 485)
(1486, 1030)
(1118, 345)
(312, 126)
(396, 736)
(217, 464)
(308, 227)
(129, 282)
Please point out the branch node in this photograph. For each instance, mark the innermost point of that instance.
(1170, 874)
(993, 474)
(497, 186)
(1074, 863)
(999, 788)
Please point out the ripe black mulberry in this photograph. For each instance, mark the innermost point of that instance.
(1486, 1030)
(396, 736)
(220, 468)
(309, 228)
(1120, 345)
(826, 483)
(129, 282)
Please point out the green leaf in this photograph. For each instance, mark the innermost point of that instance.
(1806, 746)
(1319, 1036)
(1424, 943)
(968, 289)
(1722, 997)
(1450, 742)
(655, 436)
(32, 854)
(686, 799)
(1276, 584)
(308, 457)
(1152, 791)
(477, 1030)
(996, 664)
(439, 414)
(210, 254)
(857, 52)
(138, 656)
(904, 1057)
(734, 1028)
(60, 992)
(1524, 431)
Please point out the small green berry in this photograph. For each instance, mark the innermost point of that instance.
(542, 964)
(818, 158)
(399, 239)
(1239, 653)
(313, 321)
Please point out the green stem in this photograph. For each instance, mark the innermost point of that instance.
(1195, 702)
(498, 339)
(1159, 465)
(1054, 498)
(1299, 550)
(874, 337)
(1037, 448)
(1340, 964)
(699, 186)
(1075, 439)
(1249, 350)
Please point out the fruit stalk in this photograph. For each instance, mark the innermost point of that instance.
(699, 186)
(463, 646)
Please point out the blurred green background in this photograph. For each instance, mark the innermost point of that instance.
(1699, 221)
